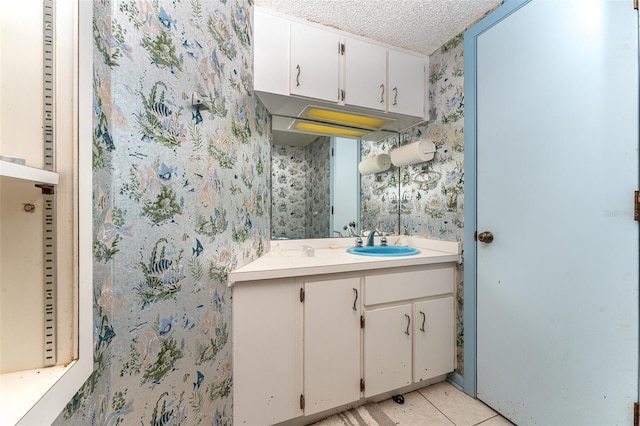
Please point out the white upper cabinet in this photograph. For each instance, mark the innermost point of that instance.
(365, 74)
(271, 54)
(314, 66)
(406, 83)
(299, 63)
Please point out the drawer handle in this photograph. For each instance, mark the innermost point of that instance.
(355, 299)
(424, 319)
(382, 93)
(298, 75)
(408, 324)
(395, 96)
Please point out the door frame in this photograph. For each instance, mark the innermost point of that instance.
(469, 379)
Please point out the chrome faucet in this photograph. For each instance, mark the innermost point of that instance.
(383, 239)
(352, 233)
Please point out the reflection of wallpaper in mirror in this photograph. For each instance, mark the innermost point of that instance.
(300, 190)
(379, 195)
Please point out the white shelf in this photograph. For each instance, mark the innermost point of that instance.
(21, 390)
(26, 173)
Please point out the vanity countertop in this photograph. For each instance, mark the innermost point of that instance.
(287, 258)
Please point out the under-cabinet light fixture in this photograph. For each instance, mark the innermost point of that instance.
(327, 129)
(348, 119)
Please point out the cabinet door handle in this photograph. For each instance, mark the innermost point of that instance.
(355, 299)
(395, 96)
(424, 319)
(298, 75)
(381, 93)
(408, 324)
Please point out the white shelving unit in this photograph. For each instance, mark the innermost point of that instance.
(40, 374)
(29, 174)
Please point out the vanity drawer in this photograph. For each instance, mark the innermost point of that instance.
(406, 285)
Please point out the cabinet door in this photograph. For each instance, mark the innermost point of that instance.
(314, 64)
(387, 349)
(270, 53)
(331, 343)
(434, 338)
(267, 352)
(406, 83)
(365, 74)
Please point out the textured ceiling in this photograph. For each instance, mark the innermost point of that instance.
(418, 25)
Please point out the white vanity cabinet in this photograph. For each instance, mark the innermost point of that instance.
(433, 338)
(316, 335)
(387, 349)
(267, 351)
(409, 327)
(314, 62)
(296, 346)
(331, 343)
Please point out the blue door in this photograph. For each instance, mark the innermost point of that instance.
(556, 145)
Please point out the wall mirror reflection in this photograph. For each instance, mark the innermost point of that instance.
(318, 191)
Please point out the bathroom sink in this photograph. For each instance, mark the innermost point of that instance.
(383, 251)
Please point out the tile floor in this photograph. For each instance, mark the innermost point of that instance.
(441, 404)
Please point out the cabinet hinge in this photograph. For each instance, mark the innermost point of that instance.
(341, 48)
(331, 209)
(361, 321)
(636, 414)
(342, 93)
(636, 206)
(302, 295)
(361, 385)
(302, 402)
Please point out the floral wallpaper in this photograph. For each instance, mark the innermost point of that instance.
(181, 196)
(318, 189)
(434, 190)
(300, 190)
(289, 167)
(379, 196)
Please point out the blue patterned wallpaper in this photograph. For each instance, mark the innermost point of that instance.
(181, 196)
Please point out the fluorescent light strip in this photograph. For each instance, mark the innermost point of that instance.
(348, 119)
(327, 129)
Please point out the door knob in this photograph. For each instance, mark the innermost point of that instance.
(485, 237)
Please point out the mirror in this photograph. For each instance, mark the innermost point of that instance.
(307, 183)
